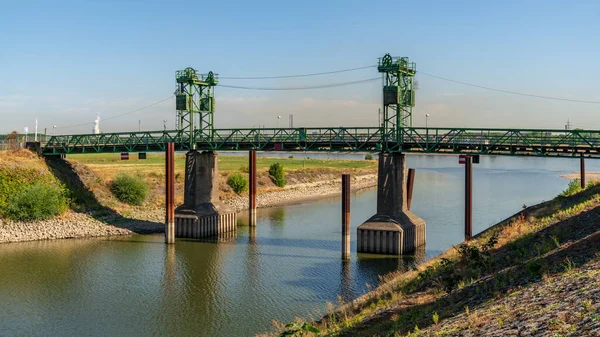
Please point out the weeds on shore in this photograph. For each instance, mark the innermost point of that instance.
(573, 187)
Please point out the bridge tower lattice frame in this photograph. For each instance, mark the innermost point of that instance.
(195, 105)
(398, 95)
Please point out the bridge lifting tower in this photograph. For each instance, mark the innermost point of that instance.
(398, 94)
(195, 105)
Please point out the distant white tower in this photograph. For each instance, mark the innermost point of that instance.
(97, 126)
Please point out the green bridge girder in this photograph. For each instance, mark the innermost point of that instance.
(489, 141)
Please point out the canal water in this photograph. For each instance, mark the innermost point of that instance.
(288, 266)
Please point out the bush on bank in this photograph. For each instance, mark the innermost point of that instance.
(238, 183)
(36, 202)
(130, 189)
(277, 174)
(28, 190)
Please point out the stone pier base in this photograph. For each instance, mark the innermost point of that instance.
(190, 226)
(202, 214)
(385, 235)
(394, 229)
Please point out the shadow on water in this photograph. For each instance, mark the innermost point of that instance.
(83, 196)
(332, 245)
(348, 279)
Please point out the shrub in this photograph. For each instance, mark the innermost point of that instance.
(574, 187)
(291, 156)
(130, 189)
(368, 156)
(277, 174)
(36, 202)
(12, 180)
(238, 183)
(244, 169)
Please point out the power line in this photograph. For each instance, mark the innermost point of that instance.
(301, 88)
(292, 76)
(117, 116)
(510, 92)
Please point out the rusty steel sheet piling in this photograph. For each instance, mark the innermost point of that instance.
(410, 181)
(252, 192)
(468, 198)
(582, 170)
(170, 193)
(345, 216)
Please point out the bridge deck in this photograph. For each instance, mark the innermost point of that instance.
(513, 142)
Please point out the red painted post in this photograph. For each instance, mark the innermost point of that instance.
(252, 192)
(410, 181)
(170, 193)
(345, 216)
(468, 198)
(582, 171)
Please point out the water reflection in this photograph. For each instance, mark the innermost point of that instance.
(346, 291)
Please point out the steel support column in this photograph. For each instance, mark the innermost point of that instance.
(582, 170)
(410, 181)
(252, 192)
(170, 193)
(345, 216)
(468, 198)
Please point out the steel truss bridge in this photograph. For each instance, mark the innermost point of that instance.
(512, 142)
(195, 105)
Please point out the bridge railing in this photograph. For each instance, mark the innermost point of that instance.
(424, 140)
(490, 141)
(113, 142)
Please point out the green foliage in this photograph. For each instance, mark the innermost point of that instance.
(592, 183)
(450, 273)
(130, 189)
(368, 156)
(533, 268)
(244, 169)
(291, 156)
(238, 183)
(36, 202)
(13, 181)
(574, 187)
(568, 265)
(277, 174)
(296, 329)
(435, 317)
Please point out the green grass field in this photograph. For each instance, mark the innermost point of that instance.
(111, 163)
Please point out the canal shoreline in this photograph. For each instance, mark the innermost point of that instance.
(589, 176)
(73, 224)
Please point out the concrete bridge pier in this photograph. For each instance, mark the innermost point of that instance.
(394, 229)
(202, 214)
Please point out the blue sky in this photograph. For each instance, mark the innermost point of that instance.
(66, 61)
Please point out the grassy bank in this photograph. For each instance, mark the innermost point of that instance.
(87, 183)
(298, 171)
(109, 164)
(535, 273)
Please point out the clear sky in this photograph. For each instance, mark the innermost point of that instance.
(64, 62)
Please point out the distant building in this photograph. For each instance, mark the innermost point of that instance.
(96, 130)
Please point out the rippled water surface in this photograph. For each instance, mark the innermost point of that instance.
(288, 266)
